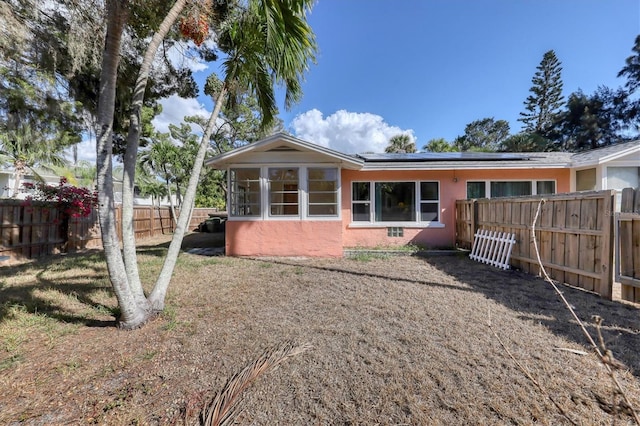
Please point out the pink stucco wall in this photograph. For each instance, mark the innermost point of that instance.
(453, 186)
(284, 238)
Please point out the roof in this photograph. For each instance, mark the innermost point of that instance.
(603, 155)
(465, 160)
(282, 142)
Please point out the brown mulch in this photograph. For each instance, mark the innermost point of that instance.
(395, 340)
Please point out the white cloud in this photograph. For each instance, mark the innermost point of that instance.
(174, 109)
(181, 56)
(348, 132)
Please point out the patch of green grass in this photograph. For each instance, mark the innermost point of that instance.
(368, 256)
(10, 362)
(170, 313)
(21, 323)
(149, 355)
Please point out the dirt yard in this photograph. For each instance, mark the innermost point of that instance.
(394, 340)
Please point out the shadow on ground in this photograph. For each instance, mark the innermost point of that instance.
(536, 300)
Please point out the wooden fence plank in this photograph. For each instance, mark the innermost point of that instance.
(31, 231)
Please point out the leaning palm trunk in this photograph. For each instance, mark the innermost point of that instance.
(157, 296)
(19, 167)
(131, 153)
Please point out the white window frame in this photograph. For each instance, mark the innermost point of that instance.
(417, 223)
(533, 182)
(303, 196)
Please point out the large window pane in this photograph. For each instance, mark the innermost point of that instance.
(322, 186)
(510, 189)
(476, 190)
(245, 192)
(283, 191)
(395, 201)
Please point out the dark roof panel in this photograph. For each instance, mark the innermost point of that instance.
(447, 156)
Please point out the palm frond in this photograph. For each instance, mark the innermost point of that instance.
(226, 405)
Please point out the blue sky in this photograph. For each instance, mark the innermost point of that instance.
(429, 67)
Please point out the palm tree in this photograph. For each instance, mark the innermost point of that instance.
(401, 144)
(162, 159)
(268, 42)
(439, 145)
(26, 149)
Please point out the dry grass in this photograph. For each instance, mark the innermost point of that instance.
(395, 340)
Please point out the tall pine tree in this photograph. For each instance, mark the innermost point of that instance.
(542, 107)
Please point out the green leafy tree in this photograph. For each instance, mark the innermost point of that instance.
(163, 160)
(402, 144)
(542, 107)
(525, 142)
(592, 121)
(439, 145)
(629, 110)
(483, 135)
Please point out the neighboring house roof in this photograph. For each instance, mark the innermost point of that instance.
(606, 154)
(282, 142)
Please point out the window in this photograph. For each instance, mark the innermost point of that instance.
(494, 189)
(361, 204)
(510, 189)
(395, 201)
(322, 186)
(429, 205)
(245, 192)
(283, 191)
(586, 180)
(623, 177)
(476, 190)
(545, 187)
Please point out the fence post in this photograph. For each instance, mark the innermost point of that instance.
(606, 279)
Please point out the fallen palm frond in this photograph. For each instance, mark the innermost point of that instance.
(225, 406)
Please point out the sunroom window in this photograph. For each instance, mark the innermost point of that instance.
(283, 191)
(245, 192)
(322, 191)
(395, 202)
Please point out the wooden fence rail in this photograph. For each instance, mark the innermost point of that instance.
(573, 232)
(29, 232)
(627, 238)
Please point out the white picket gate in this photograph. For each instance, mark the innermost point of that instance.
(493, 248)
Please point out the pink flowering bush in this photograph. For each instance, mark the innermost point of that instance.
(72, 201)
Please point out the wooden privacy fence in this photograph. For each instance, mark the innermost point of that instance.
(627, 243)
(573, 232)
(29, 232)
